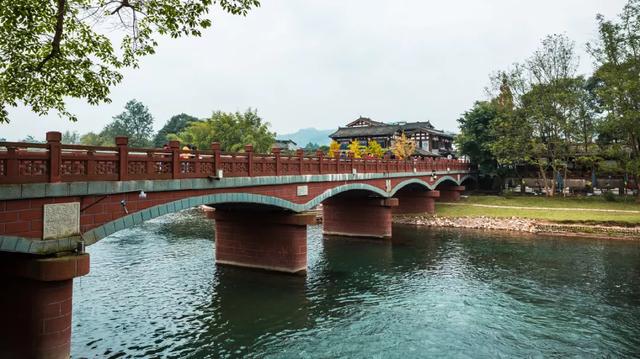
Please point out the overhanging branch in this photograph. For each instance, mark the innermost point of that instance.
(57, 37)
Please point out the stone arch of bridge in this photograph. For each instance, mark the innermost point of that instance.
(470, 182)
(94, 235)
(442, 180)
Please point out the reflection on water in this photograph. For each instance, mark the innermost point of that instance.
(154, 291)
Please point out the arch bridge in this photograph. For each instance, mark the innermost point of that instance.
(55, 199)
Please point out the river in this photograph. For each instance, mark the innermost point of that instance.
(154, 291)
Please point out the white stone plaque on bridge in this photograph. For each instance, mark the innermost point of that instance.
(61, 220)
(303, 191)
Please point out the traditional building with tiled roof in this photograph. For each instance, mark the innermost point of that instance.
(429, 141)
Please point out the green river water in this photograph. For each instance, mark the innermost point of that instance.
(154, 291)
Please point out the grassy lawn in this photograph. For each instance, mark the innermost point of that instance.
(574, 214)
(594, 202)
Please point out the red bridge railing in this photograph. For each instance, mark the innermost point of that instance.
(56, 162)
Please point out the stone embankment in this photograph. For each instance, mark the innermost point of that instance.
(516, 224)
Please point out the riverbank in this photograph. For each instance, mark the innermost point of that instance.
(515, 224)
(574, 210)
(581, 217)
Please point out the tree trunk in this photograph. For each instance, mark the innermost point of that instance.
(554, 175)
(543, 174)
(564, 181)
(635, 178)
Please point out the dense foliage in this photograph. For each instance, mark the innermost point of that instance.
(54, 50)
(543, 114)
(175, 125)
(476, 136)
(232, 130)
(135, 122)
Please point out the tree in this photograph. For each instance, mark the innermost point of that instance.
(509, 131)
(402, 146)
(53, 50)
(617, 85)
(355, 149)
(475, 138)
(70, 138)
(94, 139)
(334, 148)
(175, 125)
(135, 122)
(539, 109)
(374, 149)
(232, 130)
(311, 146)
(31, 139)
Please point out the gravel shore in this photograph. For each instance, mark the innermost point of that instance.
(516, 224)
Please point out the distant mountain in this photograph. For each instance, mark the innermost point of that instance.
(306, 135)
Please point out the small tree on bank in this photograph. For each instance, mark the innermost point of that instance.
(334, 148)
(374, 149)
(355, 149)
(402, 146)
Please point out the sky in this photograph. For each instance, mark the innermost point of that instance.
(324, 63)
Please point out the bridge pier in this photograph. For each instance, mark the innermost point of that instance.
(36, 304)
(275, 241)
(358, 216)
(450, 193)
(416, 201)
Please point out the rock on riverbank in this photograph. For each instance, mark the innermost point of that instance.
(504, 224)
(517, 224)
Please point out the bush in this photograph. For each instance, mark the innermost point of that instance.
(508, 194)
(609, 196)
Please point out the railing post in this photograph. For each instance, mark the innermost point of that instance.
(300, 154)
(276, 154)
(55, 154)
(336, 156)
(215, 147)
(320, 155)
(175, 159)
(91, 163)
(249, 150)
(123, 154)
(12, 162)
(351, 159)
(150, 165)
(196, 162)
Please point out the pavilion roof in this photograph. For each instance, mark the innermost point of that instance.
(387, 130)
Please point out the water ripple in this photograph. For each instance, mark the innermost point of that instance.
(154, 291)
